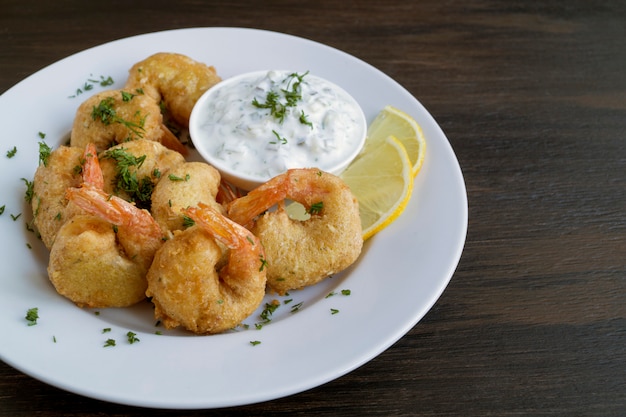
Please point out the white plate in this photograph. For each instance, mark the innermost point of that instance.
(401, 273)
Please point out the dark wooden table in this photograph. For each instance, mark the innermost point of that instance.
(532, 96)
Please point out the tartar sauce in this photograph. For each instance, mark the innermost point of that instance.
(263, 123)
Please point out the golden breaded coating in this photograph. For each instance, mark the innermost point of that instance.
(132, 169)
(50, 207)
(300, 253)
(185, 185)
(192, 285)
(87, 266)
(100, 259)
(174, 79)
(117, 116)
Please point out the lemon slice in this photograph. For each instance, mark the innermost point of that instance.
(382, 181)
(393, 122)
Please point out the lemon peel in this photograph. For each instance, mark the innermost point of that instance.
(382, 181)
(395, 122)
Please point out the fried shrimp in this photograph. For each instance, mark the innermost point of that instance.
(302, 253)
(65, 167)
(131, 170)
(100, 259)
(184, 186)
(195, 285)
(174, 79)
(117, 116)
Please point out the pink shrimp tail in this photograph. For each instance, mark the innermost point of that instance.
(298, 184)
(113, 209)
(227, 193)
(92, 172)
(96, 202)
(243, 210)
(221, 228)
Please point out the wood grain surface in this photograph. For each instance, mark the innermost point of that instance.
(532, 96)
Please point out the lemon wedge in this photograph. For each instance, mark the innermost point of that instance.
(381, 179)
(395, 122)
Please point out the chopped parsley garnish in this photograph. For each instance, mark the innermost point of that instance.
(42, 135)
(255, 342)
(109, 342)
(316, 208)
(126, 96)
(263, 263)
(89, 84)
(293, 94)
(126, 180)
(271, 102)
(281, 139)
(277, 105)
(132, 337)
(11, 152)
(188, 222)
(295, 308)
(334, 311)
(44, 152)
(343, 292)
(86, 87)
(104, 82)
(107, 114)
(176, 178)
(28, 195)
(30, 228)
(2, 208)
(32, 315)
(270, 308)
(304, 120)
(16, 216)
(106, 330)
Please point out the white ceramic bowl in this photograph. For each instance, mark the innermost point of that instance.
(249, 144)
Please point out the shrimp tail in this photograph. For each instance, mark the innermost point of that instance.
(227, 193)
(244, 209)
(91, 170)
(169, 140)
(114, 210)
(223, 229)
(94, 201)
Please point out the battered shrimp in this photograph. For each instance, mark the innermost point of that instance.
(302, 253)
(132, 169)
(101, 259)
(117, 116)
(193, 284)
(176, 80)
(64, 167)
(184, 186)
